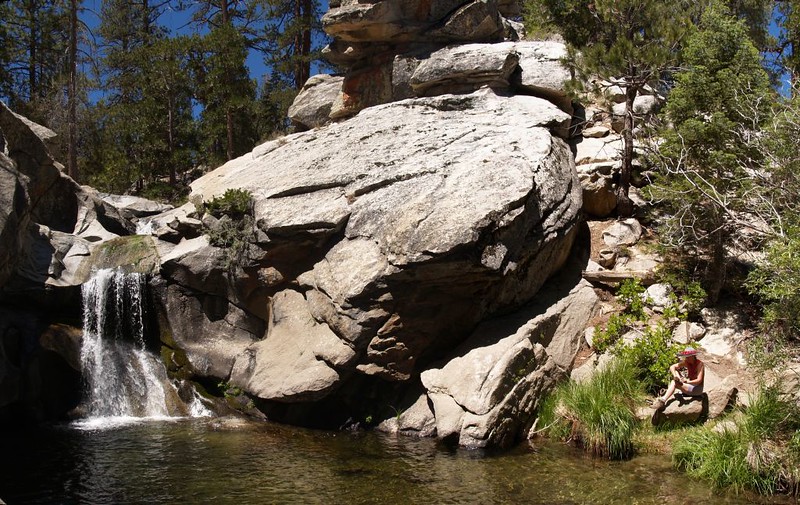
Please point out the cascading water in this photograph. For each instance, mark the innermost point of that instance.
(124, 379)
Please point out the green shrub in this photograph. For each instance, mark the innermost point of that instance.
(651, 356)
(605, 338)
(235, 226)
(599, 414)
(630, 293)
(690, 296)
(236, 203)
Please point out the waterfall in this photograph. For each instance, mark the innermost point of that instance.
(124, 380)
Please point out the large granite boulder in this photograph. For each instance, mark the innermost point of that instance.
(414, 20)
(489, 388)
(47, 221)
(312, 106)
(383, 241)
(524, 67)
(13, 218)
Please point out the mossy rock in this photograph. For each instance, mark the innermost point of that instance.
(134, 253)
(176, 362)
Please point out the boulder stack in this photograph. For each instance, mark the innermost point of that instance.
(394, 50)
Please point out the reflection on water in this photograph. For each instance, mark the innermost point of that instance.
(193, 461)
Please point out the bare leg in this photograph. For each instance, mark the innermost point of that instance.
(670, 390)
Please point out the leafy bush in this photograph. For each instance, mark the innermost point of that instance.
(777, 283)
(605, 338)
(651, 356)
(630, 293)
(599, 414)
(234, 228)
(688, 296)
(235, 203)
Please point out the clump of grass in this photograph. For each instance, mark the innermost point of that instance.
(599, 414)
(760, 452)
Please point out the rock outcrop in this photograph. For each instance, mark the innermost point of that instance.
(395, 257)
(489, 388)
(403, 229)
(47, 221)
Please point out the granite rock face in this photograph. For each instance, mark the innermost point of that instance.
(398, 254)
(397, 49)
(416, 221)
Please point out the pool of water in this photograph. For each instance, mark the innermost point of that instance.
(201, 461)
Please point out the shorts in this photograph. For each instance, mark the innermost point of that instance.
(693, 389)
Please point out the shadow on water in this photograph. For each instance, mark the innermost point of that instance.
(195, 461)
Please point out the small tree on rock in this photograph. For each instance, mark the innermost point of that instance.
(631, 42)
(709, 152)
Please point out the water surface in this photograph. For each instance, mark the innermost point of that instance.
(199, 461)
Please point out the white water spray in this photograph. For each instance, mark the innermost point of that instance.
(145, 227)
(124, 379)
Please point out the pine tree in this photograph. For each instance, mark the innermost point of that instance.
(708, 151)
(146, 114)
(631, 42)
(227, 95)
(788, 47)
(293, 26)
(776, 280)
(35, 45)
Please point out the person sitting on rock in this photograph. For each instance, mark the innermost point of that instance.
(691, 386)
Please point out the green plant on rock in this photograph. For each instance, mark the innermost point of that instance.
(229, 390)
(234, 203)
(598, 414)
(651, 355)
(234, 226)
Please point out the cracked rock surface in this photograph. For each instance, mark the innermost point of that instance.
(394, 234)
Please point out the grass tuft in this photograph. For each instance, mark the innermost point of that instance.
(598, 414)
(759, 452)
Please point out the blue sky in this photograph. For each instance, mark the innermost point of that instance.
(178, 22)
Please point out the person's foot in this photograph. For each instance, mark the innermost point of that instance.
(658, 404)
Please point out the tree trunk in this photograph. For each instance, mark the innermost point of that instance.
(715, 272)
(32, 48)
(229, 128)
(624, 203)
(72, 98)
(173, 179)
(223, 8)
(226, 20)
(302, 42)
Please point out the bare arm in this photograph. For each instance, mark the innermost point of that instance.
(673, 370)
